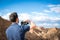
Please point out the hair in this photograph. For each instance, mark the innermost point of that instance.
(13, 17)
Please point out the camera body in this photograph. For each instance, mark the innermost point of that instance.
(24, 23)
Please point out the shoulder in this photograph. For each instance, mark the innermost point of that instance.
(26, 27)
(13, 27)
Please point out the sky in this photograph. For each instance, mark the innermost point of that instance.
(44, 13)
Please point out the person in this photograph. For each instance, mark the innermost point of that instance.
(15, 31)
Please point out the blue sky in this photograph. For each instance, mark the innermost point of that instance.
(44, 13)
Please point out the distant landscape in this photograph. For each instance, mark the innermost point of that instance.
(39, 33)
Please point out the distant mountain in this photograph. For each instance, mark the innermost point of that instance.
(38, 33)
(43, 34)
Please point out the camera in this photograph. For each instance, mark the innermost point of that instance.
(24, 23)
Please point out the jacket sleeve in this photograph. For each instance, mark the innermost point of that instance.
(26, 28)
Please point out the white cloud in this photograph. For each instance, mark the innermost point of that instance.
(35, 17)
(47, 25)
(38, 16)
(24, 16)
(53, 5)
(54, 8)
(55, 18)
(6, 16)
(39, 13)
(46, 11)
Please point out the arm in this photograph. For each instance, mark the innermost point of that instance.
(29, 27)
(32, 24)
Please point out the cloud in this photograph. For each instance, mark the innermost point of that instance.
(48, 25)
(54, 8)
(46, 11)
(24, 16)
(53, 5)
(36, 18)
(40, 16)
(55, 18)
(6, 16)
(39, 13)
